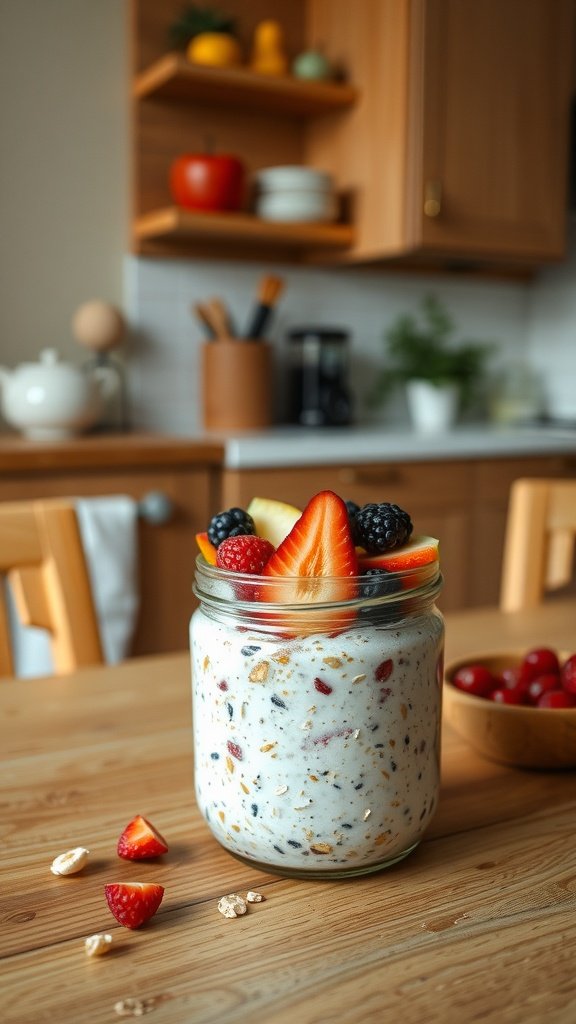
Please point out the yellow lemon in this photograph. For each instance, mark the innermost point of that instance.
(217, 49)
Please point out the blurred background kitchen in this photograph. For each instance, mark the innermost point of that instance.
(65, 183)
(437, 134)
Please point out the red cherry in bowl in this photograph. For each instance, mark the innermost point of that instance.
(475, 679)
(538, 662)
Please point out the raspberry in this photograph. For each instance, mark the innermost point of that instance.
(235, 522)
(381, 527)
(244, 554)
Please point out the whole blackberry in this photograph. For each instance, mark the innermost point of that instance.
(382, 527)
(235, 522)
(352, 508)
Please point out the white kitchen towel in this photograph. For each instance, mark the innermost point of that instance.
(109, 530)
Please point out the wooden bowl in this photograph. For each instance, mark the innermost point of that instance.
(524, 737)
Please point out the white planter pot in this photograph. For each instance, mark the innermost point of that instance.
(432, 407)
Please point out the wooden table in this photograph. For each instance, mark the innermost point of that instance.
(479, 924)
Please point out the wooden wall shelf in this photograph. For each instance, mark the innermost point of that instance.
(173, 77)
(173, 223)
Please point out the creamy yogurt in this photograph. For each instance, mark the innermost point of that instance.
(318, 755)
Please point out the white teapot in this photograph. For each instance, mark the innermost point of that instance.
(49, 400)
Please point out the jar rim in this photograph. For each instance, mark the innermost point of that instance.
(243, 593)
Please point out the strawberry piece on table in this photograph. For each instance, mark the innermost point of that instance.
(141, 840)
(133, 903)
(419, 551)
(206, 548)
(315, 563)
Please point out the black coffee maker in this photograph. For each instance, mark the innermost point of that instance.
(318, 390)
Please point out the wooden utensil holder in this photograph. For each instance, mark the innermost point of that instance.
(236, 384)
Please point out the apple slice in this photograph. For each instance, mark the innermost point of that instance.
(273, 519)
(417, 552)
(206, 548)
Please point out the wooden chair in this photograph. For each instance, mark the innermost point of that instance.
(540, 541)
(42, 556)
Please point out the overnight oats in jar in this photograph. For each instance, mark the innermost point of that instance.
(317, 684)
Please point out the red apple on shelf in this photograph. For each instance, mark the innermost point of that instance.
(207, 181)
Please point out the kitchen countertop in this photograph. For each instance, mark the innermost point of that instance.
(295, 446)
(283, 446)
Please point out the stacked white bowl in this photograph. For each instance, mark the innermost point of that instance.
(295, 194)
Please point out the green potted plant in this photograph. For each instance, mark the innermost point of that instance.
(440, 377)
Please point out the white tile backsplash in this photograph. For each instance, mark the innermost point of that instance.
(552, 332)
(535, 321)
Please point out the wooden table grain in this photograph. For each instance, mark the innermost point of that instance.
(479, 924)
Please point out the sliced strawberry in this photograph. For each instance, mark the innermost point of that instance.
(417, 552)
(315, 564)
(133, 903)
(140, 840)
(319, 544)
(206, 548)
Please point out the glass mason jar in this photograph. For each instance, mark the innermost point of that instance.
(317, 718)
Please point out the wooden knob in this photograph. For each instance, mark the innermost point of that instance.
(98, 326)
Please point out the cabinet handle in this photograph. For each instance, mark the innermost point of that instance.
(156, 508)
(433, 198)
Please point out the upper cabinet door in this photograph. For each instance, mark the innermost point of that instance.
(457, 152)
(490, 107)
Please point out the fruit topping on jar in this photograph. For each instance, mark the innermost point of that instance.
(273, 519)
(381, 527)
(417, 552)
(235, 522)
(206, 548)
(319, 545)
(247, 554)
(330, 540)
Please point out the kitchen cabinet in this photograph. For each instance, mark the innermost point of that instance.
(448, 137)
(457, 155)
(185, 474)
(463, 503)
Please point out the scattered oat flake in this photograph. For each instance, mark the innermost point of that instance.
(97, 945)
(307, 724)
(360, 678)
(366, 814)
(259, 673)
(135, 1007)
(230, 764)
(356, 733)
(267, 746)
(333, 662)
(280, 790)
(71, 862)
(254, 897)
(232, 905)
(403, 710)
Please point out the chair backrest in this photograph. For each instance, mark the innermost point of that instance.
(540, 541)
(41, 555)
